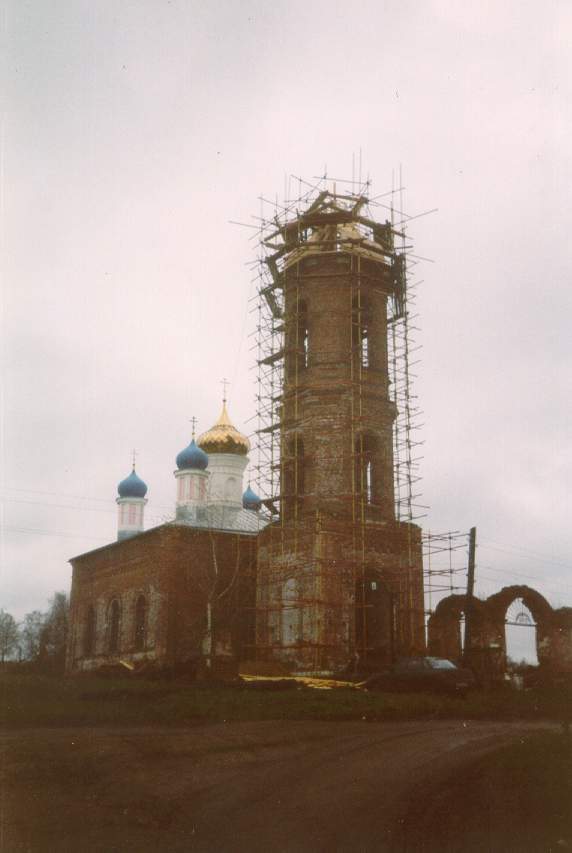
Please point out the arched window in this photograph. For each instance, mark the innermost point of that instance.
(368, 482)
(302, 335)
(300, 466)
(140, 623)
(290, 613)
(297, 346)
(361, 345)
(364, 347)
(114, 620)
(367, 475)
(294, 474)
(89, 635)
(297, 349)
(230, 488)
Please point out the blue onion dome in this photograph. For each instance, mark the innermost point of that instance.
(132, 487)
(250, 499)
(192, 458)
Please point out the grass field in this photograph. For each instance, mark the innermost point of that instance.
(34, 700)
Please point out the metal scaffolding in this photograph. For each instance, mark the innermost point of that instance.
(267, 305)
(278, 340)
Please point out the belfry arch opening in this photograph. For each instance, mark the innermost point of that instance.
(297, 352)
(361, 342)
(294, 473)
(367, 474)
(302, 335)
(520, 634)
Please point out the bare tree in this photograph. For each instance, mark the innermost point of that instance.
(31, 634)
(54, 632)
(215, 593)
(216, 585)
(9, 635)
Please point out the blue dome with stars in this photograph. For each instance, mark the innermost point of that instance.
(132, 487)
(250, 499)
(192, 458)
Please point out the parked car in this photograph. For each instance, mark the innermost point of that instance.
(426, 674)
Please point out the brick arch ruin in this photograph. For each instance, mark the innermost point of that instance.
(487, 652)
(444, 629)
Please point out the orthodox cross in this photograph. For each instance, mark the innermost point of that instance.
(134, 458)
(194, 423)
(224, 383)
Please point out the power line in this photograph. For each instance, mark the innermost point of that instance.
(56, 494)
(60, 533)
(57, 506)
(523, 553)
(512, 573)
(69, 506)
(548, 582)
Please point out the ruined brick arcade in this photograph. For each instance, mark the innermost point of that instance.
(487, 652)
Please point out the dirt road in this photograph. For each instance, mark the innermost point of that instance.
(284, 786)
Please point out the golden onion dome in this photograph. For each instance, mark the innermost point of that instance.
(223, 437)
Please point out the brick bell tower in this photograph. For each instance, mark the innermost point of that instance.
(340, 581)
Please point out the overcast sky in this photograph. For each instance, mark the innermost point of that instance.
(133, 132)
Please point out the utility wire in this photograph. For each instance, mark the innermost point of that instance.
(524, 553)
(59, 533)
(71, 506)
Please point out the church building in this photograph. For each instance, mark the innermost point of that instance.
(180, 594)
(322, 574)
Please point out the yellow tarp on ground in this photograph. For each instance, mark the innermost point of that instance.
(318, 683)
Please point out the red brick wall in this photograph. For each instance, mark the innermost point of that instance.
(174, 567)
(330, 566)
(331, 401)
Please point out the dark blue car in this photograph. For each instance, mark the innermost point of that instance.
(434, 675)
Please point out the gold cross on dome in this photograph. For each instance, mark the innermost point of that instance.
(134, 458)
(193, 421)
(225, 383)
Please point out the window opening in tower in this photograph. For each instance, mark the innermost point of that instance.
(302, 336)
(367, 468)
(368, 483)
(364, 347)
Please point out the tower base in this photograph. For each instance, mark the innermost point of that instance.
(338, 598)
